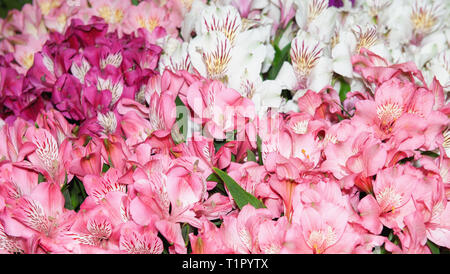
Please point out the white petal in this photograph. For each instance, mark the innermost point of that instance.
(286, 77)
(342, 60)
(321, 74)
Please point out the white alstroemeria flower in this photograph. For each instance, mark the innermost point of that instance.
(287, 106)
(375, 8)
(348, 6)
(288, 35)
(350, 43)
(272, 10)
(315, 17)
(281, 10)
(431, 46)
(411, 21)
(225, 19)
(229, 50)
(211, 50)
(210, 54)
(396, 18)
(427, 18)
(264, 26)
(439, 67)
(357, 85)
(252, 49)
(190, 21)
(264, 94)
(447, 31)
(310, 68)
(341, 53)
(175, 56)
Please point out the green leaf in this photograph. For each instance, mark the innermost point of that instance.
(217, 222)
(240, 196)
(179, 129)
(166, 243)
(105, 168)
(41, 178)
(67, 199)
(259, 146)
(74, 194)
(218, 145)
(86, 142)
(251, 156)
(75, 130)
(7, 5)
(345, 88)
(433, 247)
(430, 154)
(185, 230)
(213, 177)
(219, 187)
(280, 57)
(233, 158)
(135, 2)
(277, 39)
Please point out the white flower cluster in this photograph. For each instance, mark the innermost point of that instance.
(234, 42)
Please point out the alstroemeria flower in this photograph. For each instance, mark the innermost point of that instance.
(49, 157)
(224, 50)
(309, 68)
(42, 215)
(219, 108)
(316, 18)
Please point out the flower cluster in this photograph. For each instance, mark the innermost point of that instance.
(304, 126)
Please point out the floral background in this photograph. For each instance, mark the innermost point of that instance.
(225, 126)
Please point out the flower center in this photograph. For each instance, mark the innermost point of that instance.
(112, 59)
(100, 230)
(375, 6)
(115, 89)
(446, 143)
(424, 18)
(319, 240)
(315, 8)
(80, 71)
(47, 6)
(366, 38)
(108, 121)
(48, 152)
(389, 200)
(388, 113)
(216, 61)
(300, 127)
(230, 25)
(110, 15)
(304, 58)
(248, 88)
(28, 60)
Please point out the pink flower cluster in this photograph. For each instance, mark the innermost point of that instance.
(25, 32)
(332, 184)
(102, 153)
